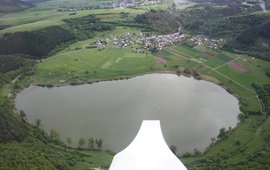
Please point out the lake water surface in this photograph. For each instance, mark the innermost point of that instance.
(190, 111)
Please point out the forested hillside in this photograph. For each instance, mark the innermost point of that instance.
(11, 128)
(159, 20)
(253, 41)
(245, 30)
(13, 5)
(36, 43)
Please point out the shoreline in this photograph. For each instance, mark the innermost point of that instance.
(203, 78)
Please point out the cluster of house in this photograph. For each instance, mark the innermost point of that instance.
(120, 41)
(130, 3)
(75, 9)
(157, 42)
(208, 42)
(112, 4)
(265, 45)
(102, 43)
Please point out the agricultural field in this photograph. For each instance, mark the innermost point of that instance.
(93, 64)
(45, 15)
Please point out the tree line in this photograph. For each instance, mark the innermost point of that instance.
(91, 142)
(264, 95)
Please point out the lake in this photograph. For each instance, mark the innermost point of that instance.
(190, 111)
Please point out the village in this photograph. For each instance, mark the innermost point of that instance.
(208, 42)
(153, 42)
(130, 3)
(156, 42)
(112, 4)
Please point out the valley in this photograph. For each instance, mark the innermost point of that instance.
(222, 42)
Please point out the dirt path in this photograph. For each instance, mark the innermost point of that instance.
(15, 79)
(225, 63)
(213, 69)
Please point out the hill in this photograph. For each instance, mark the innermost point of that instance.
(36, 43)
(13, 5)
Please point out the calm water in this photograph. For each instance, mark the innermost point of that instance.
(191, 111)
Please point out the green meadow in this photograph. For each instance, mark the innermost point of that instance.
(45, 15)
(93, 64)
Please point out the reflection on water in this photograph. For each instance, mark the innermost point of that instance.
(191, 111)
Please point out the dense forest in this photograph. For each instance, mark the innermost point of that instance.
(11, 128)
(84, 27)
(13, 62)
(159, 20)
(13, 5)
(36, 43)
(252, 41)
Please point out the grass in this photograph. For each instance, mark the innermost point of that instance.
(251, 134)
(188, 51)
(4, 91)
(214, 62)
(93, 64)
(93, 159)
(244, 78)
(45, 14)
(33, 154)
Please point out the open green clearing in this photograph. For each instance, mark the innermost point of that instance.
(28, 21)
(93, 64)
(45, 14)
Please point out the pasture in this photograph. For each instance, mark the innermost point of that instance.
(93, 64)
(45, 14)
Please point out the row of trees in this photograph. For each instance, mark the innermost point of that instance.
(91, 142)
(264, 95)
